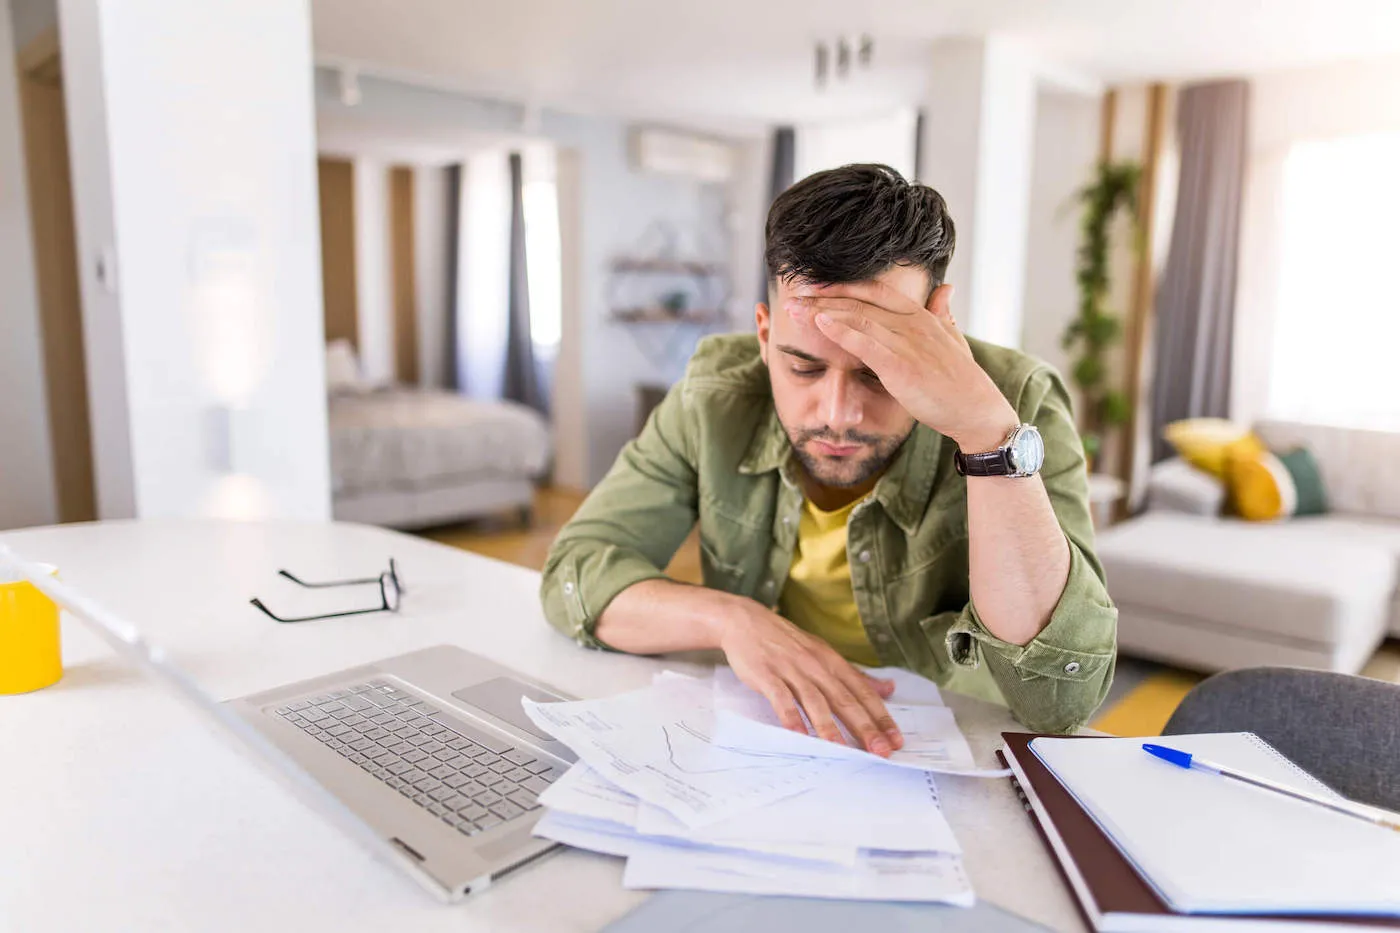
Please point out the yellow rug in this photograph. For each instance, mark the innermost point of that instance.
(1148, 706)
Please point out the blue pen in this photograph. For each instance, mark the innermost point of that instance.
(1360, 811)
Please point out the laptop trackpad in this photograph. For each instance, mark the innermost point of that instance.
(500, 697)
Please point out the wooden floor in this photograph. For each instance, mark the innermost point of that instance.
(506, 539)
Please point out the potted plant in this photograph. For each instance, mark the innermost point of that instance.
(1095, 329)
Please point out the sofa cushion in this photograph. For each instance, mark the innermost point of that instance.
(1275, 579)
(1358, 466)
(1176, 486)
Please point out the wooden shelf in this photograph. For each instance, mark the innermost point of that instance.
(667, 267)
(664, 316)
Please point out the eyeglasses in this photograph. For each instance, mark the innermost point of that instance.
(390, 593)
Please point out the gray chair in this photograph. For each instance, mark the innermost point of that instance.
(1341, 729)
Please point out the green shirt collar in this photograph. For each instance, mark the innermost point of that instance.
(903, 491)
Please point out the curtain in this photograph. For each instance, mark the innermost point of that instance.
(522, 376)
(1196, 295)
(780, 179)
(456, 378)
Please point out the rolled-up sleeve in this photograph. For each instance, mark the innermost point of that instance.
(1055, 682)
(628, 528)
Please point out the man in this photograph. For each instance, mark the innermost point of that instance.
(821, 459)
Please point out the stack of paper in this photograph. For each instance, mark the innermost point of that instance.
(695, 784)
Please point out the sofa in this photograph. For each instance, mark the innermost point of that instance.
(1213, 593)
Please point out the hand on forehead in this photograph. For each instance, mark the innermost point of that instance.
(909, 285)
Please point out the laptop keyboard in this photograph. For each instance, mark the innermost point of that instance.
(468, 779)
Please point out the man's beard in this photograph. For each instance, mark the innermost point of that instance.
(845, 473)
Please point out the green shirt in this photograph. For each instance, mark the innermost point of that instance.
(715, 452)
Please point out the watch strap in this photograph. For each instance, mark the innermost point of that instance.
(992, 463)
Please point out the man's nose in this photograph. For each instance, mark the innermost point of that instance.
(841, 407)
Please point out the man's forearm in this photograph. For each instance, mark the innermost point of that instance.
(1019, 556)
(657, 616)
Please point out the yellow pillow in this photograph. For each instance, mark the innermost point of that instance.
(1209, 443)
(1261, 488)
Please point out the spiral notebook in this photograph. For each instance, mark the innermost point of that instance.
(1112, 890)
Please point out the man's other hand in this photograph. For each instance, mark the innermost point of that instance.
(799, 673)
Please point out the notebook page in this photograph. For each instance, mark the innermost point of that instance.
(1210, 844)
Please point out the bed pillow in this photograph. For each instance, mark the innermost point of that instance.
(342, 368)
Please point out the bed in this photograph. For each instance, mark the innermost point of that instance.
(410, 458)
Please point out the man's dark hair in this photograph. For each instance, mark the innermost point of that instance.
(852, 223)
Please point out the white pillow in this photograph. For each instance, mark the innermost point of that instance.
(342, 367)
(1176, 486)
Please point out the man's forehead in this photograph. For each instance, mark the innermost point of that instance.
(910, 281)
(800, 332)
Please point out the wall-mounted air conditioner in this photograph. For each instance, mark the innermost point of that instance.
(673, 152)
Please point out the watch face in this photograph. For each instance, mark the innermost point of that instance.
(1027, 450)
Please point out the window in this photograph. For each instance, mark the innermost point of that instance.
(543, 260)
(1337, 330)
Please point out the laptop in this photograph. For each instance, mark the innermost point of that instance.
(426, 759)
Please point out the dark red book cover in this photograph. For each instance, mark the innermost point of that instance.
(1113, 884)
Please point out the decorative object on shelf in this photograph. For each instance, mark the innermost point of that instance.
(656, 285)
(679, 297)
(1095, 329)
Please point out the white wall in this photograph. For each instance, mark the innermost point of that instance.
(748, 213)
(887, 138)
(979, 126)
(430, 262)
(374, 281)
(195, 175)
(568, 404)
(619, 207)
(1066, 147)
(26, 455)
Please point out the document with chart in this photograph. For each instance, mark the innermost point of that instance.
(688, 809)
(656, 744)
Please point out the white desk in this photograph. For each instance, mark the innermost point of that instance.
(119, 810)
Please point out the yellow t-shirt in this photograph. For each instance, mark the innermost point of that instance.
(817, 596)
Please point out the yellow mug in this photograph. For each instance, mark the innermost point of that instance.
(30, 657)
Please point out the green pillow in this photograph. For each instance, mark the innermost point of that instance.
(1302, 467)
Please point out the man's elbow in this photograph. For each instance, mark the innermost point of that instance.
(1065, 707)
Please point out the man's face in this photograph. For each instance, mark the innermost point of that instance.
(842, 424)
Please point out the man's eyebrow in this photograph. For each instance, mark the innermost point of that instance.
(793, 351)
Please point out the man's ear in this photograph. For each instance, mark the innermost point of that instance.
(940, 302)
(763, 323)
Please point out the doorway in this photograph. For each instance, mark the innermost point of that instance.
(45, 128)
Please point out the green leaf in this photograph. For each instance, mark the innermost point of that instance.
(1103, 329)
(1092, 445)
(1088, 372)
(1116, 409)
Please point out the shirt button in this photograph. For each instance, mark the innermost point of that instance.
(1072, 667)
(787, 519)
(768, 587)
(865, 557)
(568, 589)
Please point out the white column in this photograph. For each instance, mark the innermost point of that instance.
(26, 456)
(374, 278)
(198, 238)
(979, 132)
(430, 263)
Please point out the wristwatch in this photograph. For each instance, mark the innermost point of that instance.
(1021, 455)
